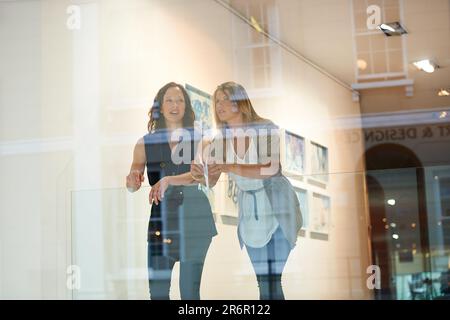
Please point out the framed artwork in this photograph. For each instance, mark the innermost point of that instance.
(294, 154)
(320, 214)
(302, 196)
(319, 162)
(202, 106)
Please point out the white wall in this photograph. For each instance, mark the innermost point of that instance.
(141, 46)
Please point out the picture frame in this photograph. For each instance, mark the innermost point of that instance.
(294, 155)
(202, 106)
(320, 215)
(302, 196)
(319, 162)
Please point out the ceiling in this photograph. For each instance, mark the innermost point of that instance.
(324, 32)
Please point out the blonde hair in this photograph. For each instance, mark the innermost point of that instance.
(237, 94)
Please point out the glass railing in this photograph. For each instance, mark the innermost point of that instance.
(391, 244)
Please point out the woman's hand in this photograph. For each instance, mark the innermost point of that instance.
(197, 171)
(216, 169)
(157, 192)
(134, 180)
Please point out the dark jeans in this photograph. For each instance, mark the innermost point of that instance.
(160, 271)
(268, 263)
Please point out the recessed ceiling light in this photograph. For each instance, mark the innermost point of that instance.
(444, 93)
(391, 202)
(426, 65)
(392, 29)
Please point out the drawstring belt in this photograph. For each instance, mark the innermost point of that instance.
(255, 203)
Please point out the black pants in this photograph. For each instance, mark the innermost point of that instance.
(160, 272)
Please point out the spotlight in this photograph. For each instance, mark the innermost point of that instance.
(392, 29)
(444, 93)
(426, 65)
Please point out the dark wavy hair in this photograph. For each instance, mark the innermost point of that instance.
(157, 120)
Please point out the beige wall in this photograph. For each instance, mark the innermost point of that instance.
(76, 209)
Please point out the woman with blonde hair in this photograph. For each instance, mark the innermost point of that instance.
(269, 212)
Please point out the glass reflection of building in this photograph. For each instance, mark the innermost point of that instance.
(382, 197)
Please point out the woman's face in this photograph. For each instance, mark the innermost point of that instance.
(226, 110)
(173, 106)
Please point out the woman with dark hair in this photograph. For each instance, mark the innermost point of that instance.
(181, 224)
(269, 212)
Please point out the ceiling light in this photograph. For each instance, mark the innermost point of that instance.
(362, 64)
(386, 27)
(426, 65)
(255, 24)
(391, 202)
(392, 29)
(395, 236)
(444, 93)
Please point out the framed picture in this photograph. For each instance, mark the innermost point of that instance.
(320, 214)
(302, 196)
(319, 162)
(202, 106)
(294, 155)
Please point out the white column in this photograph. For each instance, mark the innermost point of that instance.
(87, 213)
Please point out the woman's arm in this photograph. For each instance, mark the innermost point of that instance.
(159, 188)
(181, 179)
(197, 169)
(136, 176)
(255, 171)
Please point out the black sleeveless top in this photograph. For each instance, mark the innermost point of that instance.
(184, 217)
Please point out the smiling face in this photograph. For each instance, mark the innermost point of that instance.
(226, 110)
(173, 106)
